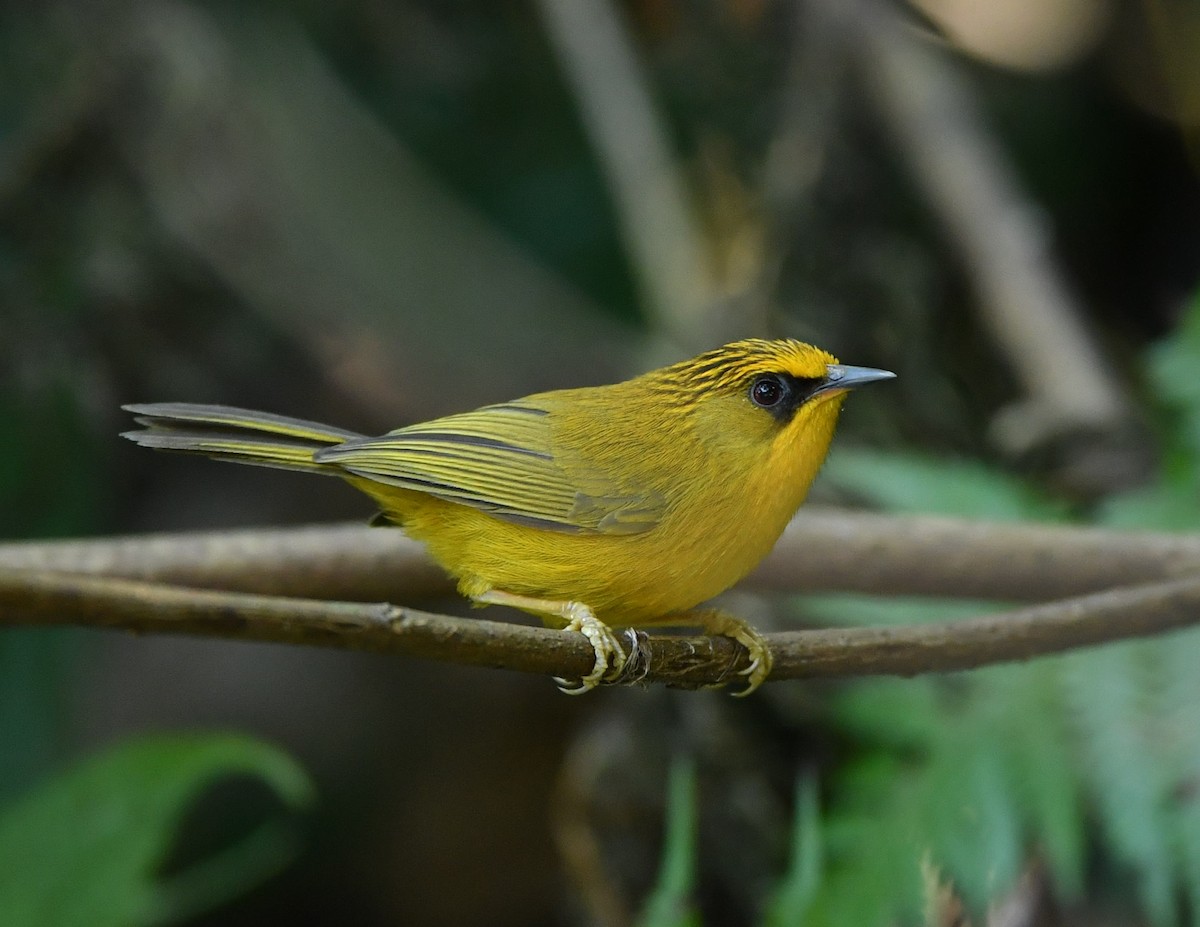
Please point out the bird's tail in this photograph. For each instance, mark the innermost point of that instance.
(240, 435)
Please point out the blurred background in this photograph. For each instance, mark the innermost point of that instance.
(369, 213)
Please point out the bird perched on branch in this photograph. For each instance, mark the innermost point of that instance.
(629, 504)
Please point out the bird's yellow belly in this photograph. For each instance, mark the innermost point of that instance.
(625, 579)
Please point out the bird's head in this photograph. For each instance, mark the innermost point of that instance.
(775, 398)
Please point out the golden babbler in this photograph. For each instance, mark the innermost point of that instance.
(627, 504)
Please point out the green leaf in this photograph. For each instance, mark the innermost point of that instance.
(83, 849)
(1110, 695)
(849, 609)
(1173, 363)
(932, 485)
(799, 885)
(670, 903)
(873, 842)
(1040, 766)
(1169, 505)
(971, 771)
(1177, 707)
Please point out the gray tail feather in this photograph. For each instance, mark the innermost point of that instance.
(240, 435)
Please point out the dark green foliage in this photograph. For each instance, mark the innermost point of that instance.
(85, 848)
(800, 883)
(970, 772)
(670, 903)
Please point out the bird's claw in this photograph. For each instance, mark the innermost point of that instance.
(761, 660)
(610, 657)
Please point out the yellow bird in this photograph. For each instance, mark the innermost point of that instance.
(628, 504)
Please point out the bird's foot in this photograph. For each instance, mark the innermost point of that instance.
(761, 660)
(610, 657)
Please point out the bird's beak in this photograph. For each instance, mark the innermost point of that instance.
(840, 377)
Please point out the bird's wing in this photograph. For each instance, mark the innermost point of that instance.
(500, 459)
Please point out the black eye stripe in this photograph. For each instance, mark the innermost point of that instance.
(781, 393)
(806, 386)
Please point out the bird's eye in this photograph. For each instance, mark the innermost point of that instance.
(767, 391)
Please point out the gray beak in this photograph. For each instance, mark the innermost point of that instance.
(842, 377)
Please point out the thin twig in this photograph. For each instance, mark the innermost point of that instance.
(1038, 630)
(822, 550)
(30, 598)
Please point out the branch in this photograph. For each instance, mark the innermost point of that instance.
(822, 550)
(32, 598)
(1038, 630)
(318, 561)
(842, 551)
